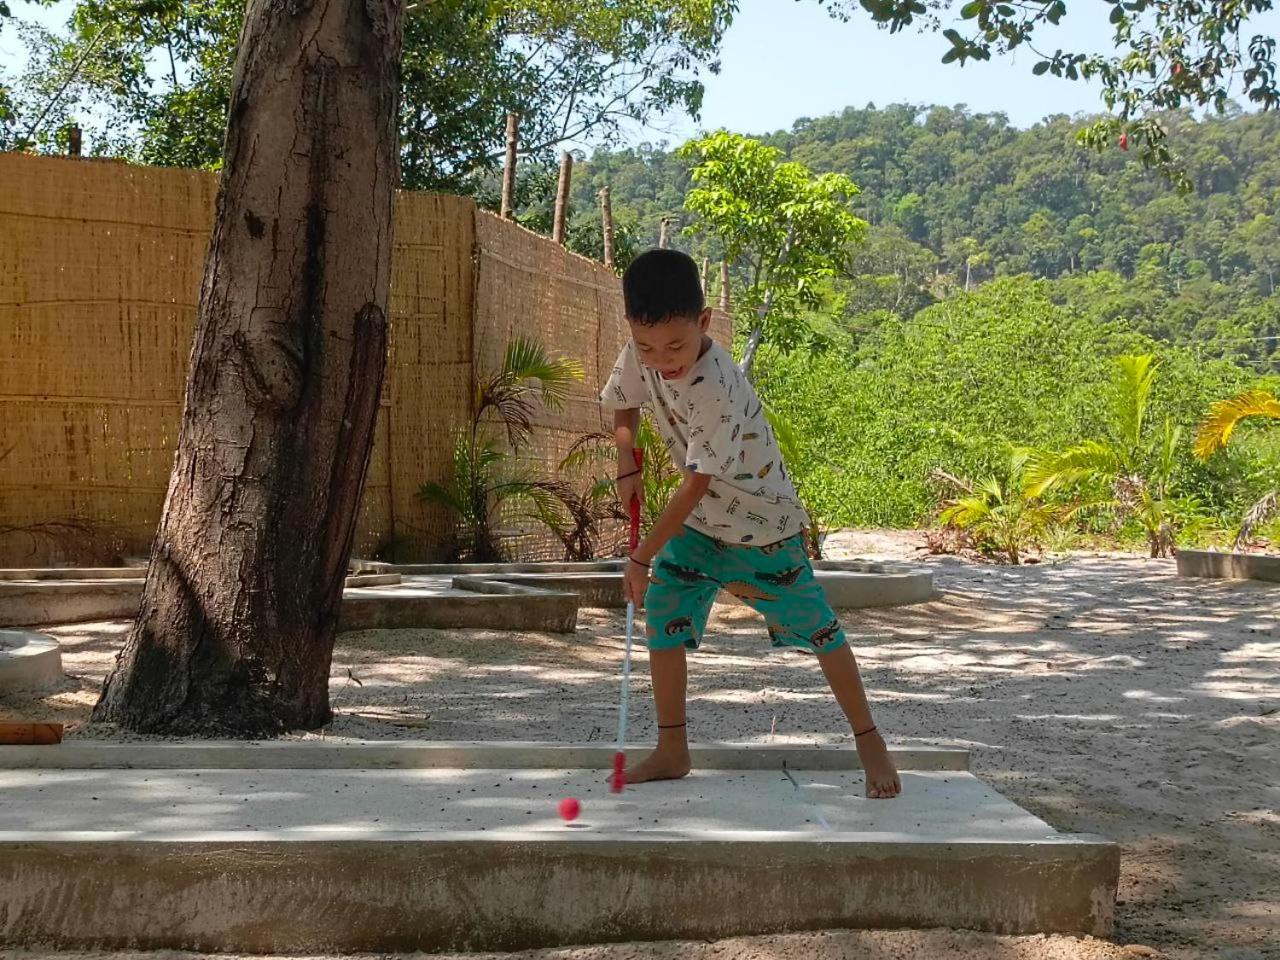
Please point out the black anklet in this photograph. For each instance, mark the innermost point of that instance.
(673, 726)
(865, 732)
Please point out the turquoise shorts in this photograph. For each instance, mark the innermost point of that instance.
(777, 580)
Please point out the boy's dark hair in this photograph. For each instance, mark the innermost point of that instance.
(661, 284)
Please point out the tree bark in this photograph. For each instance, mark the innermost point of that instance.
(724, 285)
(558, 231)
(235, 631)
(508, 211)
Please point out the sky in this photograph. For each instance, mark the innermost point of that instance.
(783, 59)
(786, 59)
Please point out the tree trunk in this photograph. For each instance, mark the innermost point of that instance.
(558, 229)
(509, 168)
(724, 285)
(235, 631)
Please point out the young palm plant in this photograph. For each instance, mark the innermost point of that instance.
(596, 454)
(998, 513)
(1131, 472)
(1215, 433)
(593, 457)
(488, 484)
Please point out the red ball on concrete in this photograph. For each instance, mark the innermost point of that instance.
(570, 808)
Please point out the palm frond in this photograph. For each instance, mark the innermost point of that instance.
(1093, 459)
(590, 450)
(433, 492)
(1019, 458)
(1137, 375)
(527, 371)
(1226, 415)
(1167, 452)
(1255, 516)
(966, 512)
(513, 404)
(602, 489)
(940, 476)
(527, 359)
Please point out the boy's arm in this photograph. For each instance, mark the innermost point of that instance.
(693, 487)
(626, 423)
(691, 490)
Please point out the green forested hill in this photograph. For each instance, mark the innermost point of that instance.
(957, 199)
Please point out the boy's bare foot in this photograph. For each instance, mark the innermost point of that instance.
(881, 775)
(665, 763)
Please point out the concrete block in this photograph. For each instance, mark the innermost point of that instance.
(1228, 566)
(433, 859)
(29, 662)
(35, 602)
(498, 606)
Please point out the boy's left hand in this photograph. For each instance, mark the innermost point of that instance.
(635, 583)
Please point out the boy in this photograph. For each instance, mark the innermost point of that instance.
(734, 523)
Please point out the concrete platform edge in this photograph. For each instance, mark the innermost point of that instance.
(322, 897)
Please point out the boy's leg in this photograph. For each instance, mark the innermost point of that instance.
(778, 581)
(677, 605)
(670, 760)
(841, 671)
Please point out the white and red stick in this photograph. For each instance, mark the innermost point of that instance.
(620, 757)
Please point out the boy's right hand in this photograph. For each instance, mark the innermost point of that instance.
(632, 486)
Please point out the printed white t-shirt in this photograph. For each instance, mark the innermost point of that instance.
(713, 423)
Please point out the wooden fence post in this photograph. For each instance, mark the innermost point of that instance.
(509, 170)
(606, 220)
(558, 231)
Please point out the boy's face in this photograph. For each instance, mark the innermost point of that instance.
(673, 346)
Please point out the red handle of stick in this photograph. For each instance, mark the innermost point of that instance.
(635, 503)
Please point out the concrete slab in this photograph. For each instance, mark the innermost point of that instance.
(602, 590)
(1228, 566)
(441, 596)
(434, 602)
(858, 585)
(73, 573)
(849, 585)
(370, 601)
(29, 662)
(451, 754)
(64, 600)
(437, 858)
